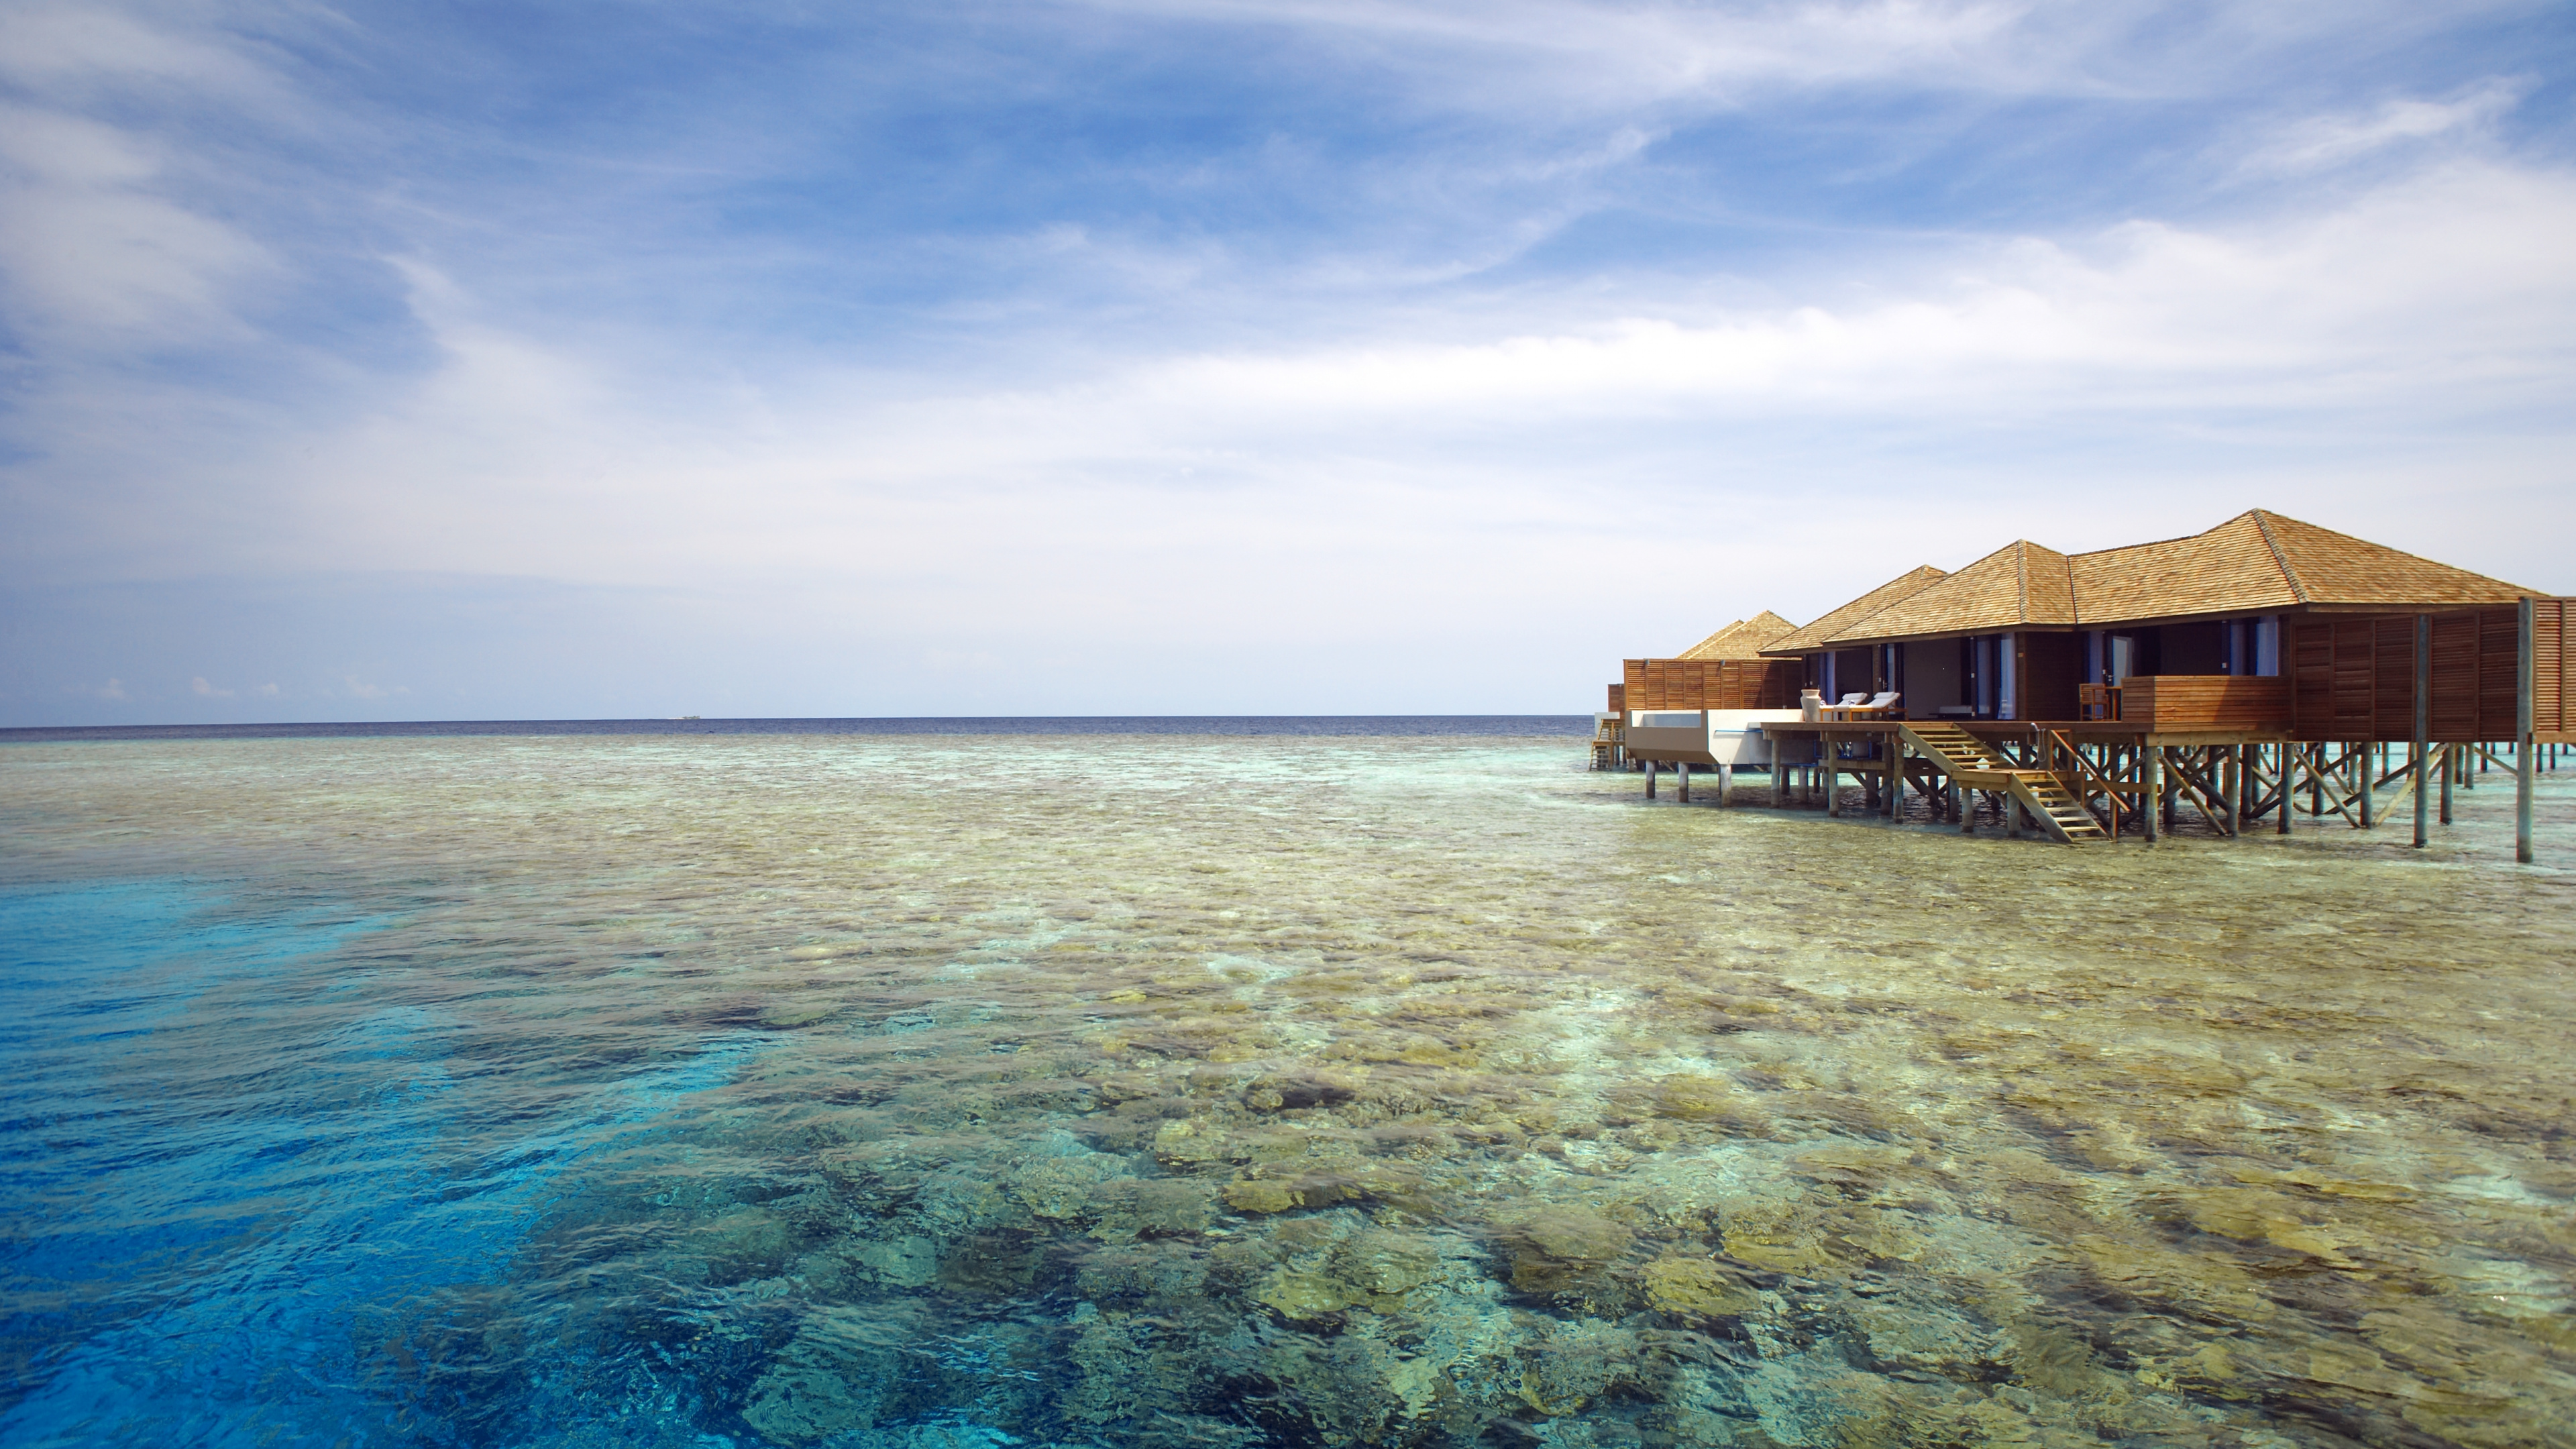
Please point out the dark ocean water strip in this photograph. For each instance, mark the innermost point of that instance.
(1376, 725)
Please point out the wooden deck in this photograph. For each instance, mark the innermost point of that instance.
(2083, 781)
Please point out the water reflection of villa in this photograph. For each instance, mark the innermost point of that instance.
(2235, 675)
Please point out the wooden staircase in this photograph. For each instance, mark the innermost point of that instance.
(2044, 796)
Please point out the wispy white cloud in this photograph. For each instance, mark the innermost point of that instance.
(204, 690)
(2319, 142)
(1561, 49)
(92, 256)
(1503, 54)
(106, 243)
(67, 49)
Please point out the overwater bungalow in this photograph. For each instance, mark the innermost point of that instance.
(2235, 674)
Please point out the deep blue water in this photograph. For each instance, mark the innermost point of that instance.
(256, 1190)
(1357, 725)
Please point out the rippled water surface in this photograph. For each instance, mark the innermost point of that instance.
(1280, 1090)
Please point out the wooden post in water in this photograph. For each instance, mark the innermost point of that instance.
(2148, 775)
(2367, 757)
(1895, 777)
(2288, 778)
(2423, 727)
(2450, 768)
(1833, 777)
(1725, 777)
(1681, 770)
(2525, 725)
(2238, 767)
(1650, 779)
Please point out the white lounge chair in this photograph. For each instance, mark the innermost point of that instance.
(1880, 703)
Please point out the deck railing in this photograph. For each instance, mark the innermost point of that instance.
(2054, 747)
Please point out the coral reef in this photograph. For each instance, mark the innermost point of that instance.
(1401, 1093)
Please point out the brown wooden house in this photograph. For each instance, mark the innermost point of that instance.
(2326, 619)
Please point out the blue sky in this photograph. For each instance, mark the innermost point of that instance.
(477, 361)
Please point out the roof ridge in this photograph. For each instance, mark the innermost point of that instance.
(2263, 524)
(2021, 579)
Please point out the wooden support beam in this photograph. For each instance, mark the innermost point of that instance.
(1833, 778)
(2450, 771)
(2423, 726)
(2524, 728)
(2181, 781)
(2237, 772)
(1650, 779)
(1682, 771)
(2149, 757)
(2290, 756)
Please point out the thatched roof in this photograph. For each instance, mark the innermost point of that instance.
(2261, 562)
(1742, 639)
(1812, 637)
(2254, 563)
(2017, 585)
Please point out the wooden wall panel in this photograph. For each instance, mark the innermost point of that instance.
(2457, 660)
(2392, 678)
(2046, 669)
(2309, 650)
(1618, 700)
(2553, 660)
(1710, 684)
(2499, 673)
(2206, 701)
(2354, 679)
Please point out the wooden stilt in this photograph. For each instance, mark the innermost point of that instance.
(1725, 778)
(1681, 773)
(2422, 758)
(1650, 779)
(2450, 770)
(2290, 756)
(2369, 788)
(1895, 777)
(2236, 773)
(2524, 726)
(1833, 779)
(2148, 776)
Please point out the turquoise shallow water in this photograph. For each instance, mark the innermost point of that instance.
(1279, 1090)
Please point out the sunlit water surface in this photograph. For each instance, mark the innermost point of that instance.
(1130, 1090)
